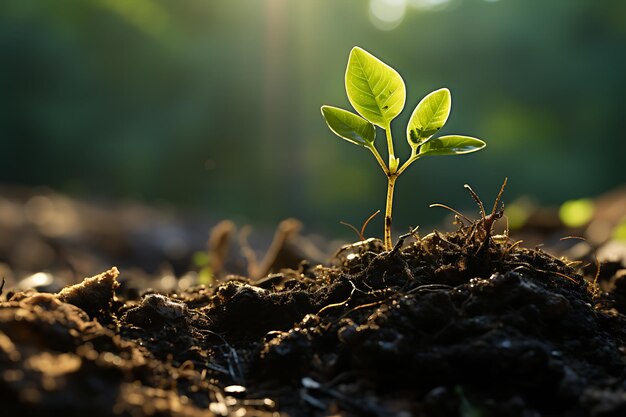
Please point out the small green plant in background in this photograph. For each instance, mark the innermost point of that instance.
(576, 213)
(378, 94)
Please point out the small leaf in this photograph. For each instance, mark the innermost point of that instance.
(394, 163)
(374, 89)
(451, 145)
(349, 126)
(429, 116)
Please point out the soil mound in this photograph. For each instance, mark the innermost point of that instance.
(455, 324)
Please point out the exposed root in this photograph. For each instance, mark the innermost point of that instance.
(358, 233)
(361, 233)
(457, 214)
(596, 289)
(488, 220)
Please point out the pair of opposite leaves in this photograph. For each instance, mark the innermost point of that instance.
(377, 92)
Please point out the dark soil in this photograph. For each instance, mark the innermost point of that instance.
(456, 324)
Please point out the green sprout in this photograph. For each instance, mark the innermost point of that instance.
(378, 94)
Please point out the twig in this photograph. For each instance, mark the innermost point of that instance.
(353, 228)
(236, 375)
(401, 240)
(597, 262)
(477, 200)
(532, 268)
(361, 233)
(372, 304)
(495, 204)
(341, 303)
(452, 210)
(510, 248)
(367, 222)
(430, 287)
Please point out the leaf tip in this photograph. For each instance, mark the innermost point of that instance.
(481, 144)
(359, 53)
(446, 93)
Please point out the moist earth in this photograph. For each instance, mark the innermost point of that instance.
(452, 324)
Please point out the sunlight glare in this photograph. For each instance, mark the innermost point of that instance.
(429, 4)
(387, 14)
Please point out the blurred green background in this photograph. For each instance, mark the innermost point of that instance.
(214, 104)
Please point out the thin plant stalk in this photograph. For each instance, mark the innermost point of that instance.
(393, 162)
(392, 175)
(391, 183)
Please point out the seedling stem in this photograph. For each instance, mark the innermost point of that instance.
(391, 182)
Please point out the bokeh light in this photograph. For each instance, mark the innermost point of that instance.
(387, 14)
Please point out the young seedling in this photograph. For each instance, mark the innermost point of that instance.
(378, 94)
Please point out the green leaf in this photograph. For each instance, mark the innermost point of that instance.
(451, 145)
(349, 126)
(429, 116)
(374, 89)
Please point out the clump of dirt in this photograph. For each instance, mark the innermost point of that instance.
(454, 324)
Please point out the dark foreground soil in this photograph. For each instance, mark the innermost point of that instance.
(457, 324)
